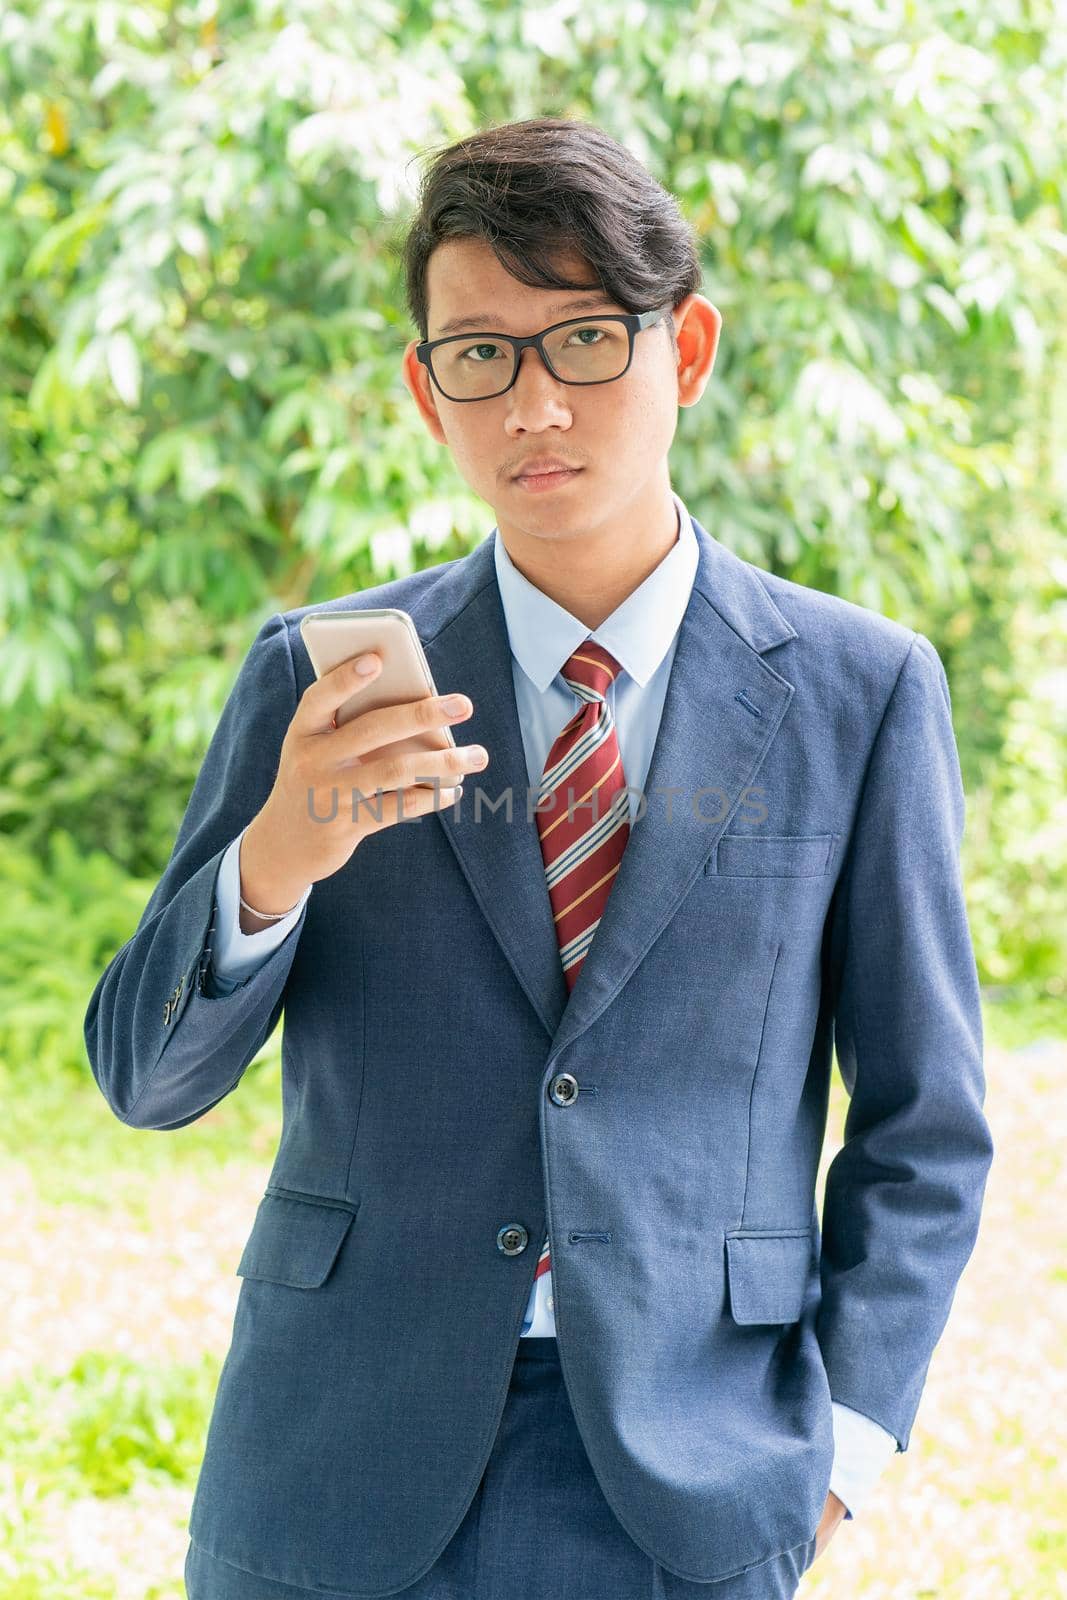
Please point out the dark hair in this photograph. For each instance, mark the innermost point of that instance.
(531, 189)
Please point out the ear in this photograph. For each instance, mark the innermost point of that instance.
(418, 384)
(697, 326)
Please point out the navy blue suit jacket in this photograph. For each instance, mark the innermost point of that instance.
(793, 885)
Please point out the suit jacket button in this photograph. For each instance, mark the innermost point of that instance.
(563, 1089)
(512, 1239)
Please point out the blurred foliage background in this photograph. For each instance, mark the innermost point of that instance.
(202, 419)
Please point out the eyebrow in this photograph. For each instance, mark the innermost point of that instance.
(484, 323)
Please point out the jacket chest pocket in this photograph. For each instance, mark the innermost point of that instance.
(768, 1271)
(295, 1238)
(742, 855)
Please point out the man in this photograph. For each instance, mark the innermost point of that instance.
(537, 1302)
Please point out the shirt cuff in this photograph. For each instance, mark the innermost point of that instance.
(862, 1449)
(237, 955)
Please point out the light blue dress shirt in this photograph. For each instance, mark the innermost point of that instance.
(642, 635)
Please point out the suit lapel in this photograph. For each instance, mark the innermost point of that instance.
(708, 739)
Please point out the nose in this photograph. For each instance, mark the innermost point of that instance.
(535, 390)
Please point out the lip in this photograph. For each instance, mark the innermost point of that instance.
(540, 466)
(538, 482)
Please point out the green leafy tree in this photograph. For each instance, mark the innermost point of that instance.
(202, 418)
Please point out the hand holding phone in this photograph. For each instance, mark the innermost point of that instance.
(350, 732)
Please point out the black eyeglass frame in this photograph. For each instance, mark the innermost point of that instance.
(634, 322)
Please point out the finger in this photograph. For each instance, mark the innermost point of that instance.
(369, 735)
(321, 700)
(384, 808)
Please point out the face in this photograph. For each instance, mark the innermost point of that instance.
(618, 433)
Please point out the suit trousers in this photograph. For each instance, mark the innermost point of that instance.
(538, 1528)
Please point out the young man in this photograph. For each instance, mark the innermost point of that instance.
(537, 1303)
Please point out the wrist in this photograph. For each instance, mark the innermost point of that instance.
(261, 885)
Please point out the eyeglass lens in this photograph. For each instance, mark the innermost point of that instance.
(590, 352)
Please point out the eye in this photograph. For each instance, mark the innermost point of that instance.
(598, 331)
(464, 353)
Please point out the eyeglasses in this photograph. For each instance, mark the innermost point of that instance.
(462, 371)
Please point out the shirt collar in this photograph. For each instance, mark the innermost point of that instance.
(543, 635)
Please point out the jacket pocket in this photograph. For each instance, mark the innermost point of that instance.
(295, 1238)
(742, 855)
(768, 1270)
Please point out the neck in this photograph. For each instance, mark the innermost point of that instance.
(591, 570)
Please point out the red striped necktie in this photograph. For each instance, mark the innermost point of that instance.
(583, 829)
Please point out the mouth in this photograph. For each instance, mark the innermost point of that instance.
(538, 482)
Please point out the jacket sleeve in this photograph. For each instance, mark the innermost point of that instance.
(164, 1044)
(904, 1193)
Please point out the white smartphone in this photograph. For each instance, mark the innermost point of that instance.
(331, 637)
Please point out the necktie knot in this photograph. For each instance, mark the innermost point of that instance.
(590, 670)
